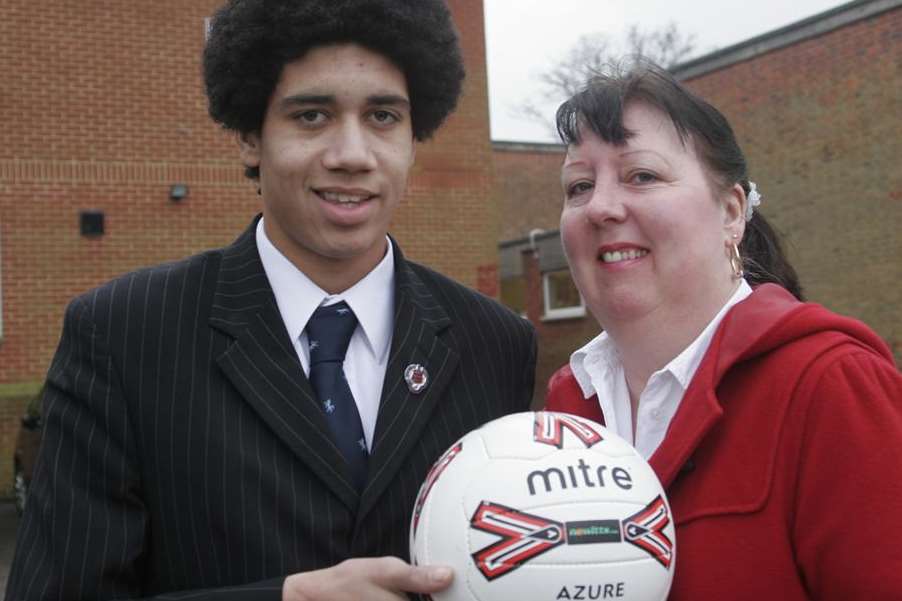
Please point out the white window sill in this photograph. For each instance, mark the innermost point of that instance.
(561, 314)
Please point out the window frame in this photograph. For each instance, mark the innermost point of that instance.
(554, 314)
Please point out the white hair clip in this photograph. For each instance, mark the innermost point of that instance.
(754, 198)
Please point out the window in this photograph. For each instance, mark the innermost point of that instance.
(561, 298)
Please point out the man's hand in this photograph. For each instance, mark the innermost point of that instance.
(366, 579)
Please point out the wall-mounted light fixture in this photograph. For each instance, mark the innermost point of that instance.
(178, 192)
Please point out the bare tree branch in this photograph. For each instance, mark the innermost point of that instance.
(666, 47)
(595, 53)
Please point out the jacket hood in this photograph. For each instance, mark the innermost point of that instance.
(771, 318)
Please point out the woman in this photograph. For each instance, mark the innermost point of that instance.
(774, 425)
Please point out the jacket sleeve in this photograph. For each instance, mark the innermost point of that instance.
(84, 532)
(847, 520)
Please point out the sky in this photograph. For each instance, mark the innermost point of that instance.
(524, 37)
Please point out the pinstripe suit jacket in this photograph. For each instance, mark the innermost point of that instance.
(184, 454)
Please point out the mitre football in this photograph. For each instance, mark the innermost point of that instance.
(542, 507)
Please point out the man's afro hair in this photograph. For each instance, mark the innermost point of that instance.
(251, 41)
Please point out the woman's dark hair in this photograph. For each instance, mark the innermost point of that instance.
(599, 107)
(250, 42)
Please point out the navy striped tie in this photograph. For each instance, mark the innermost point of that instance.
(329, 333)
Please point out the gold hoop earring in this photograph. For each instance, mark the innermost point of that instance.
(736, 261)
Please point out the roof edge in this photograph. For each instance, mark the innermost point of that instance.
(514, 146)
(793, 33)
(526, 241)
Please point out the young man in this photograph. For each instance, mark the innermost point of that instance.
(193, 446)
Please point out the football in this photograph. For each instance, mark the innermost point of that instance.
(542, 507)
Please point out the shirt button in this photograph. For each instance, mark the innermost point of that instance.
(657, 414)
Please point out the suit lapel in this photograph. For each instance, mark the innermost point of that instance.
(403, 414)
(262, 365)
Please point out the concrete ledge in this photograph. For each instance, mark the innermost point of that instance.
(546, 147)
(22, 390)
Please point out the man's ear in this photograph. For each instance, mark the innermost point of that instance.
(249, 148)
(413, 152)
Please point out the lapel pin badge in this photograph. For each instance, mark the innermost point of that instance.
(416, 377)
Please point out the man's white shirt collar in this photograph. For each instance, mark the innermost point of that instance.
(371, 299)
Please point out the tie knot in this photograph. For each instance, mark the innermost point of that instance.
(329, 332)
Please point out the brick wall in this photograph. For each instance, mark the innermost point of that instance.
(821, 124)
(447, 220)
(528, 186)
(103, 108)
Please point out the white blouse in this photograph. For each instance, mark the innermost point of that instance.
(598, 370)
